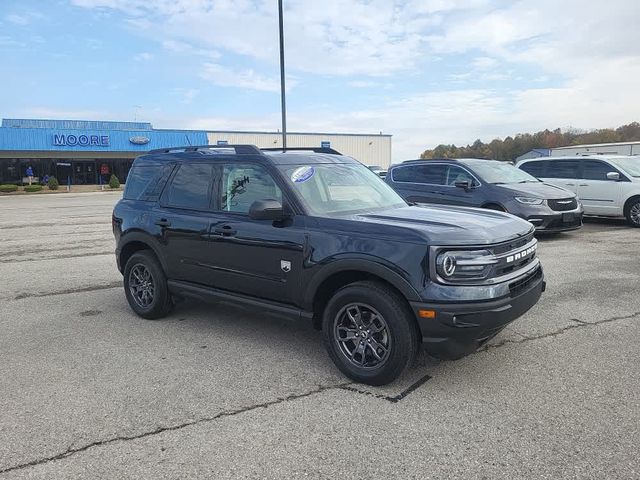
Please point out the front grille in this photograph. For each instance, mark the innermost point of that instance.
(563, 204)
(522, 284)
(512, 245)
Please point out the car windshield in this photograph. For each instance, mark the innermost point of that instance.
(494, 171)
(328, 189)
(630, 165)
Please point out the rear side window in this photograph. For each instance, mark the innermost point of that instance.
(191, 187)
(537, 169)
(435, 174)
(594, 170)
(564, 169)
(145, 182)
(402, 174)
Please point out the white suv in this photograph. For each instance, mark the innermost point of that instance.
(606, 185)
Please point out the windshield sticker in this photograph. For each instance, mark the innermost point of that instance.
(302, 174)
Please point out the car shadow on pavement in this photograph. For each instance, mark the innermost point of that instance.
(270, 335)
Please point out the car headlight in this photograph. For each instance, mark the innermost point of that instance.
(530, 200)
(464, 265)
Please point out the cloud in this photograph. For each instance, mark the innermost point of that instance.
(248, 78)
(17, 19)
(143, 57)
(186, 94)
(549, 63)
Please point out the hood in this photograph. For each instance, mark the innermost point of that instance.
(451, 225)
(542, 190)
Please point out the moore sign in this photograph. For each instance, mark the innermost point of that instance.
(63, 140)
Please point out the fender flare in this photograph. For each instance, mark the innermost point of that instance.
(142, 237)
(362, 264)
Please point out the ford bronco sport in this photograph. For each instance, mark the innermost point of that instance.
(316, 235)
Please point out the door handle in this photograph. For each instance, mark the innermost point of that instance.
(583, 185)
(225, 230)
(163, 222)
(570, 184)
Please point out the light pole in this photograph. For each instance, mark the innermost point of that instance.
(282, 86)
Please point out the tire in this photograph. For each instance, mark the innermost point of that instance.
(633, 213)
(142, 273)
(392, 332)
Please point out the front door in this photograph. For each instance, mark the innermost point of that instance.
(259, 258)
(452, 195)
(84, 172)
(598, 194)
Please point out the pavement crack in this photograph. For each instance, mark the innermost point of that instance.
(576, 324)
(390, 398)
(92, 288)
(125, 438)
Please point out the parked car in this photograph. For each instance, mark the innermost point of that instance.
(606, 185)
(381, 172)
(318, 237)
(487, 184)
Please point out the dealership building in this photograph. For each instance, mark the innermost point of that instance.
(89, 152)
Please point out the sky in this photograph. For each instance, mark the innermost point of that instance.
(425, 71)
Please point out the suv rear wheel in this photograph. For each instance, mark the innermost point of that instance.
(633, 212)
(145, 286)
(369, 333)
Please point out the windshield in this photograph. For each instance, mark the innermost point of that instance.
(494, 171)
(335, 189)
(630, 165)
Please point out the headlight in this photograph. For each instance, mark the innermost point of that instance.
(464, 265)
(530, 200)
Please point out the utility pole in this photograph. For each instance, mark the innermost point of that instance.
(282, 85)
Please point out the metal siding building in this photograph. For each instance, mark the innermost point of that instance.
(90, 151)
(621, 148)
(368, 149)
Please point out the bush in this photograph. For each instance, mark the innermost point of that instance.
(114, 182)
(53, 184)
(8, 188)
(32, 188)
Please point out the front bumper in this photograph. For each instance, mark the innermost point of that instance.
(557, 221)
(460, 328)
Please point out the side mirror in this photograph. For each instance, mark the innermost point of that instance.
(466, 185)
(613, 176)
(266, 210)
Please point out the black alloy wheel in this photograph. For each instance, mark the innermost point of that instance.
(362, 335)
(370, 332)
(145, 286)
(141, 285)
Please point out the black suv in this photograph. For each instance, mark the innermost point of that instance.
(316, 235)
(491, 184)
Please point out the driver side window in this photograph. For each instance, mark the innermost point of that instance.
(243, 184)
(457, 174)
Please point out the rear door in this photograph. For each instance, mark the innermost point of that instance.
(420, 183)
(182, 220)
(260, 258)
(598, 194)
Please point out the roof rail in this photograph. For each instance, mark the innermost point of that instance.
(328, 150)
(238, 149)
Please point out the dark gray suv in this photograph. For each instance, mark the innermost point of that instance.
(487, 184)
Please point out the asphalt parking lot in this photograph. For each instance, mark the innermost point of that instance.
(88, 390)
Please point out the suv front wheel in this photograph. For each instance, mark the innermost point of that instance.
(145, 286)
(369, 333)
